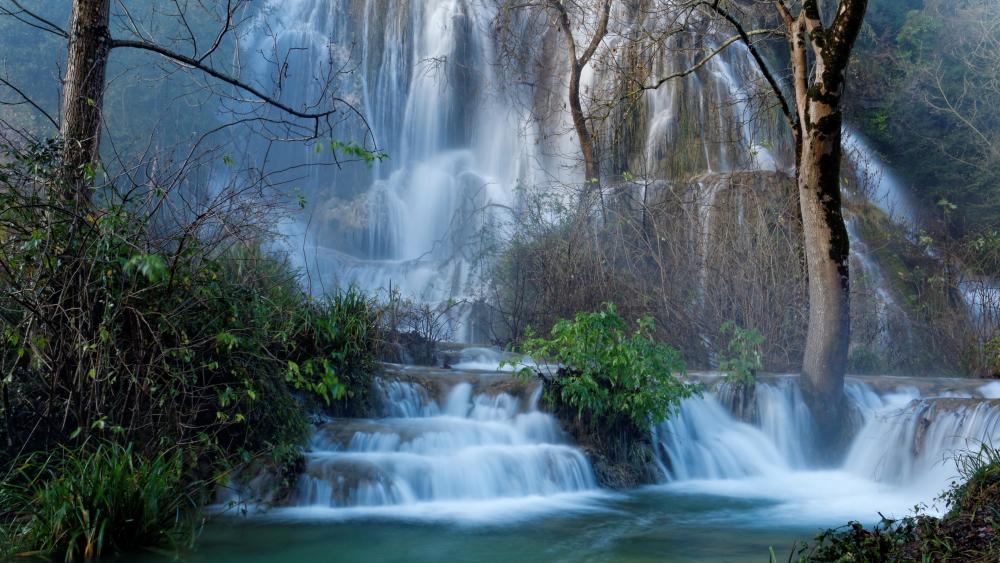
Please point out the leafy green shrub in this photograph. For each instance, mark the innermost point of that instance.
(884, 542)
(124, 325)
(993, 348)
(80, 504)
(332, 346)
(742, 358)
(607, 373)
(978, 481)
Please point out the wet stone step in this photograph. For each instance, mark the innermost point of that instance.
(481, 472)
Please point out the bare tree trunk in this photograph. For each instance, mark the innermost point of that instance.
(591, 163)
(817, 131)
(815, 119)
(588, 149)
(827, 248)
(83, 93)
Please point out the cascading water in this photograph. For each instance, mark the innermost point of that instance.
(466, 444)
(883, 188)
(903, 453)
(426, 84)
(463, 137)
(466, 448)
(472, 446)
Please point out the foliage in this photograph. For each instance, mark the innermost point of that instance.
(968, 532)
(332, 345)
(742, 358)
(978, 481)
(854, 542)
(993, 351)
(928, 97)
(932, 292)
(82, 503)
(608, 373)
(118, 327)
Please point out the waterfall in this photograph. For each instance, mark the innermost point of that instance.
(903, 453)
(879, 182)
(467, 447)
(463, 139)
(473, 446)
(466, 130)
(425, 81)
(462, 143)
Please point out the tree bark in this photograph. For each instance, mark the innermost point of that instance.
(817, 132)
(82, 96)
(591, 163)
(588, 148)
(827, 249)
(815, 119)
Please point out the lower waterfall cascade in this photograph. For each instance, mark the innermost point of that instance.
(468, 445)
(472, 446)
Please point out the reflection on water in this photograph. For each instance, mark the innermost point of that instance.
(653, 524)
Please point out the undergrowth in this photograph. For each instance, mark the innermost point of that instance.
(608, 373)
(82, 503)
(168, 332)
(968, 531)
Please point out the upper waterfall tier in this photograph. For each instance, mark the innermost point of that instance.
(468, 129)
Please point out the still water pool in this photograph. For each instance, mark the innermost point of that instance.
(653, 524)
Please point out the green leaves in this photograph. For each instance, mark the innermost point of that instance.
(331, 345)
(355, 150)
(98, 499)
(227, 341)
(151, 266)
(608, 373)
(742, 358)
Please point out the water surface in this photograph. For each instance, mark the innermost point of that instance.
(653, 524)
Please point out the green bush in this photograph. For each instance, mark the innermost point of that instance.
(80, 504)
(608, 373)
(993, 351)
(742, 357)
(332, 347)
(121, 325)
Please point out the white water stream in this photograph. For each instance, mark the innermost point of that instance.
(472, 447)
(460, 446)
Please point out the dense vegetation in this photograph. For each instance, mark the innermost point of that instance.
(927, 96)
(609, 385)
(103, 499)
(130, 334)
(966, 532)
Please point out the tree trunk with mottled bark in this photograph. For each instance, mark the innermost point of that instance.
(816, 125)
(82, 96)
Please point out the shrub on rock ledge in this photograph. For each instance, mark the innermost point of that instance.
(609, 385)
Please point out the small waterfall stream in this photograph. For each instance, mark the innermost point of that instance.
(902, 454)
(468, 445)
